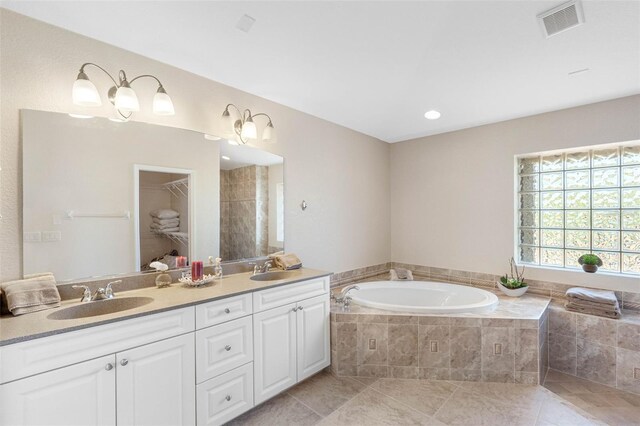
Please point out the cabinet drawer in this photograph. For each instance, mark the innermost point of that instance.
(223, 347)
(283, 295)
(40, 355)
(225, 397)
(223, 310)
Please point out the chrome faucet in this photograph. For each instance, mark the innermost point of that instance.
(343, 297)
(262, 269)
(100, 294)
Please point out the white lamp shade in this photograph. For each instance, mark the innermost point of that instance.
(126, 100)
(269, 134)
(84, 93)
(249, 130)
(162, 104)
(227, 125)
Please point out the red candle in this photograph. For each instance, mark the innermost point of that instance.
(181, 261)
(197, 269)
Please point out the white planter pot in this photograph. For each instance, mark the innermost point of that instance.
(512, 292)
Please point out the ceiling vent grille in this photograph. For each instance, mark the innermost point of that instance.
(566, 16)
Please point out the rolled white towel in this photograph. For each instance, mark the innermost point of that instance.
(164, 213)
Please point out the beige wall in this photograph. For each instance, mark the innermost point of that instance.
(343, 175)
(452, 194)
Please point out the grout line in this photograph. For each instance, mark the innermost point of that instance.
(296, 399)
(405, 404)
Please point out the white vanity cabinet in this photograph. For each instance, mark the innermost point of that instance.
(83, 394)
(291, 342)
(149, 383)
(199, 365)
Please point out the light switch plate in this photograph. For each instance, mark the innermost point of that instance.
(51, 236)
(32, 237)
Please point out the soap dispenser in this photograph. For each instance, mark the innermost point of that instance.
(163, 279)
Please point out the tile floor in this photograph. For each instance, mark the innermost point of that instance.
(325, 399)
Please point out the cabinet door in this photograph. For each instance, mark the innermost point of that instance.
(82, 394)
(156, 383)
(313, 336)
(274, 333)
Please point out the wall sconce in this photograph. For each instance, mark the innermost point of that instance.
(121, 95)
(244, 127)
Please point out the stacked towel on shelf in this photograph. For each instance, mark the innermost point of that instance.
(602, 303)
(165, 220)
(37, 293)
(286, 261)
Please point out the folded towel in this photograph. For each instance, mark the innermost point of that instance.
(287, 261)
(161, 227)
(166, 230)
(604, 297)
(31, 295)
(164, 213)
(583, 309)
(175, 221)
(592, 305)
(273, 255)
(400, 274)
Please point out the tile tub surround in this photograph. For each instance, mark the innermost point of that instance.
(507, 345)
(628, 300)
(599, 349)
(326, 399)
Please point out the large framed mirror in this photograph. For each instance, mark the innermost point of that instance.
(107, 198)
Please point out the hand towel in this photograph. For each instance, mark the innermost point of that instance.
(591, 305)
(604, 297)
(602, 312)
(164, 213)
(31, 295)
(287, 261)
(157, 221)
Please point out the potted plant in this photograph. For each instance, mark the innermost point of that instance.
(590, 262)
(513, 285)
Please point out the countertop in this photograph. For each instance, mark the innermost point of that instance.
(37, 324)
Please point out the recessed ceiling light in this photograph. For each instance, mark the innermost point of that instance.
(432, 115)
(212, 137)
(224, 157)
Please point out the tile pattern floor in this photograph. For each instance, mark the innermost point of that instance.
(325, 399)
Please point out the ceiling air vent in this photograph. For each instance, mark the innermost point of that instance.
(566, 16)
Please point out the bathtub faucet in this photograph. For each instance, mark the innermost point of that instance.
(343, 298)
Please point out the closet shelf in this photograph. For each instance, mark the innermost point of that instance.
(177, 187)
(179, 237)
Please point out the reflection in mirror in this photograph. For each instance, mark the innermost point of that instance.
(251, 202)
(104, 198)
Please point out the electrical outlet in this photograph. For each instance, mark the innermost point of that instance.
(51, 236)
(497, 348)
(372, 344)
(32, 237)
(434, 345)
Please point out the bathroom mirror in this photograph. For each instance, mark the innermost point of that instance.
(102, 197)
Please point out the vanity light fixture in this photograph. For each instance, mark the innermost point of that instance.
(121, 95)
(244, 127)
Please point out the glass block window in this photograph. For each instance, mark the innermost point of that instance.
(581, 202)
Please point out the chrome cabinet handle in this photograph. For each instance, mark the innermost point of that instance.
(227, 348)
(228, 397)
(295, 309)
(124, 362)
(227, 310)
(108, 367)
(300, 307)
